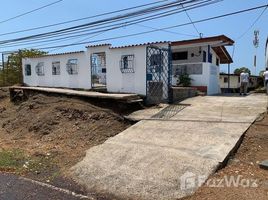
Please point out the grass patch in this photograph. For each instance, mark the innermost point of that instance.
(12, 160)
(42, 166)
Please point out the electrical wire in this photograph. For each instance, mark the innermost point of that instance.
(80, 19)
(92, 23)
(29, 12)
(191, 21)
(252, 25)
(169, 27)
(120, 25)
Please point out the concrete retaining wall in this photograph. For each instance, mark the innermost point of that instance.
(181, 93)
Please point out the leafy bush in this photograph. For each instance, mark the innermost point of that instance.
(184, 80)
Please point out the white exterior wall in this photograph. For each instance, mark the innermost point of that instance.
(127, 82)
(210, 73)
(80, 80)
(235, 81)
(118, 82)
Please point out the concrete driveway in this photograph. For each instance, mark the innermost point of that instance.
(168, 158)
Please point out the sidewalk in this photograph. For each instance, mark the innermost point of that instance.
(148, 160)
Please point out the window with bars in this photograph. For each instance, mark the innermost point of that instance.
(72, 66)
(56, 68)
(28, 70)
(180, 55)
(39, 69)
(127, 64)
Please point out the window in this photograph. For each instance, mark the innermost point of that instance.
(180, 55)
(72, 66)
(127, 64)
(56, 68)
(210, 57)
(217, 61)
(225, 80)
(191, 69)
(28, 70)
(39, 69)
(204, 56)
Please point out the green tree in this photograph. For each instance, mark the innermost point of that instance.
(238, 71)
(11, 73)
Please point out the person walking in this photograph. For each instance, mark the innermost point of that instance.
(265, 74)
(244, 79)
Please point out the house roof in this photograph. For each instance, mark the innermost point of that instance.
(224, 55)
(99, 45)
(142, 44)
(222, 38)
(219, 46)
(56, 54)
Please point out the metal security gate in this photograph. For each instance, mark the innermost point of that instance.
(98, 70)
(158, 75)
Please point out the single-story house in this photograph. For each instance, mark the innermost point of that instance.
(148, 69)
(65, 70)
(235, 82)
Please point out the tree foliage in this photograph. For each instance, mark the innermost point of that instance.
(238, 71)
(184, 80)
(11, 72)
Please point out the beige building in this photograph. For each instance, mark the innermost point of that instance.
(235, 81)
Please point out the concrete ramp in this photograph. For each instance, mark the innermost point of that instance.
(150, 159)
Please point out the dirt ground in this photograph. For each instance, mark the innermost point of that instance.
(53, 133)
(243, 164)
(43, 137)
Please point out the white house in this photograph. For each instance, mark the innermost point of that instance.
(124, 66)
(201, 59)
(66, 70)
(148, 69)
(235, 81)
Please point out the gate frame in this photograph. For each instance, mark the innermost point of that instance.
(169, 72)
(91, 70)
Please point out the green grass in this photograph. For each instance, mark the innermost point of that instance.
(42, 166)
(11, 160)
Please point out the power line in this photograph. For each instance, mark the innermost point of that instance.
(80, 19)
(128, 23)
(248, 29)
(199, 21)
(31, 11)
(109, 20)
(191, 21)
(87, 33)
(167, 31)
(253, 24)
(170, 27)
(157, 16)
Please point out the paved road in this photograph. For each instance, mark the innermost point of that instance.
(16, 188)
(157, 158)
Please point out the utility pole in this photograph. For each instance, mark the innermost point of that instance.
(3, 69)
(256, 43)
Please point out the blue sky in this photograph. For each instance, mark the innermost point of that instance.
(233, 26)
